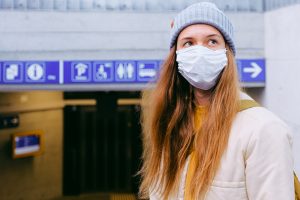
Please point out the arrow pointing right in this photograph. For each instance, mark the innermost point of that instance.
(255, 69)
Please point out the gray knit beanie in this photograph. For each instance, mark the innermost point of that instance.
(203, 13)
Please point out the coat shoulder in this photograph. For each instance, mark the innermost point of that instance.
(260, 116)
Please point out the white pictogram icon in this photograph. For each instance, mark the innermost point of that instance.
(121, 71)
(254, 69)
(81, 70)
(35, 72)
(146, 72)
(101, 74)
(125, 71)
(12, 72)
(130, 71)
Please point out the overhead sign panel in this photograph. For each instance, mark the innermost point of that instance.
(103, 74)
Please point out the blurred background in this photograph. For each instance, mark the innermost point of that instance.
(71, 74)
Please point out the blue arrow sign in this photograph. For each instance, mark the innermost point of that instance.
(252, 70)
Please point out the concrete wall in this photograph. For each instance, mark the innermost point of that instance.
(282, 44)
(37, 177)
(107, 35)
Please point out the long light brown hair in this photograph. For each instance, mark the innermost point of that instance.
(168, 129)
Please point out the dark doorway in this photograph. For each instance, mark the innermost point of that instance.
(102, 144)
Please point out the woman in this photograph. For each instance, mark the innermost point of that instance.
(198, 142)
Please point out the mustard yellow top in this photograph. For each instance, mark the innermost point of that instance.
(200, 112)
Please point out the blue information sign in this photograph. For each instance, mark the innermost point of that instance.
(125, 71)
(29, 72)
(13, 72)
(81, 71)
(147, 70)
(103, 72)
(252, 70)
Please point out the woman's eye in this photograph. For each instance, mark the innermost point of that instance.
(212, 42)
(187, 44)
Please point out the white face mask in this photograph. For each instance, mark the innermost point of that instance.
(201, 66)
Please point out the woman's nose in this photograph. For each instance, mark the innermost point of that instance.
(200, 42)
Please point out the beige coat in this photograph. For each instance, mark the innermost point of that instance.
(258, 162)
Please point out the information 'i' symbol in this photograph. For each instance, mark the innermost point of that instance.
(35, 72)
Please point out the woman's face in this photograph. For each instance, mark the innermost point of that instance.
(200, 34)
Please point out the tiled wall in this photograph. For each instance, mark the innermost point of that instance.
(135, 5)
(37, 177)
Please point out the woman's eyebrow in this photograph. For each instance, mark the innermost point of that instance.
(207, 36)
(186, 38)
(212, 35)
